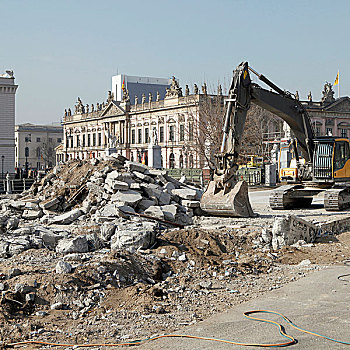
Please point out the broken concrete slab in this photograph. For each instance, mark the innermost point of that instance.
(289, 229)
(169, 211)
(116, 185)
(134, 166)
(78, 244)
(32, 214)
(47, 204)
(129, 197)
(67, 218)
(146, 203)
(17, 204)
(107, 230)
(185, 193)
(109, 210)
(155, 211)
(143, 177)
(140, 235)
(190, 203)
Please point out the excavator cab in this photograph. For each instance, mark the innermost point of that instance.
(331, 160)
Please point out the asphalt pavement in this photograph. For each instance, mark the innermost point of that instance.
(318, 302)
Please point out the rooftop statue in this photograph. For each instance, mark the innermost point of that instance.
(328, 93)
(174, 90)
(219, 90)
(126, 97)
(204, 89)
(110, 97)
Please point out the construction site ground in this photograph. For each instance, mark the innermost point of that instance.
(190, 275)
(221, 270)
(317, 303)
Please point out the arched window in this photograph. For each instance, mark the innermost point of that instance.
(38, 152)
(172, 161)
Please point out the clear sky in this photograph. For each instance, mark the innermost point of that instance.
(60, 50)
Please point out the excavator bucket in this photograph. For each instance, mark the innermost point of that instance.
(234, 202)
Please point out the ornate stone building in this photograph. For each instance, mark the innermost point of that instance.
(329, 116)
(128, 128)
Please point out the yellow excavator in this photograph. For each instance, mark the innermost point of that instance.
(324, 167)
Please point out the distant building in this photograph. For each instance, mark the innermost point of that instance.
(137, 86)
(7, 123)
(35, 145)
(329, 116)
(130, 128)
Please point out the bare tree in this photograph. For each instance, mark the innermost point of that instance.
(204, 128)
(48, 152)
(205, 124)
(261, 126)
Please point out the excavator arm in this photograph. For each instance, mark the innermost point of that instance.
(281, 103)
(225, 195)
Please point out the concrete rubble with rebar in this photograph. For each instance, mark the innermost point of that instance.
(115, 242)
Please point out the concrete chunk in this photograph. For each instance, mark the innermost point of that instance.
(190, 203)
(67, 218)
(185, 193)
(134, 166)
(32, 214)
(129, 197)
(136, 236)
(155, 212)
(289, 229)
(75, 245)
(169, 212)
(49, 203)
(63, 267)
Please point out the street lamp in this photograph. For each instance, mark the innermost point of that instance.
(2, 166)
(26, 152)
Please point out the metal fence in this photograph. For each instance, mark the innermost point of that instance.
(253, 176)
(193, 175)
(15, 185)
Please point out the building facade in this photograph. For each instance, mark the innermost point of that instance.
(7, 121)
(35, 145)
(175, 123)
(329, 116)
(130, 128)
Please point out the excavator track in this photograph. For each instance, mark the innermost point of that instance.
(280, 198)
(292, 196)
(336, 199)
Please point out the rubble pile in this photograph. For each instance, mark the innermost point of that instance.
(104, 251)
(128, 202)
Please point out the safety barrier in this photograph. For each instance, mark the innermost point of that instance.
(192, 174)
(15, 185)
(253, 176)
